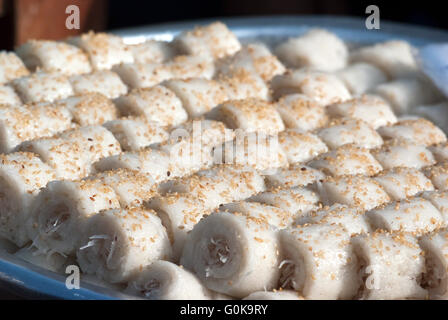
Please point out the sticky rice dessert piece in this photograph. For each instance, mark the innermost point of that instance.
(357, 191)
(403, 154)
(54, 56)
(118, 243)
(185, 67)
(42, 86)
(233, 254)
(296, 175)
(369, 108)
(405, 94)
(439, 199)
(300, 112)
(402, 183)
(254, 57)
(11, 67)
(416, 215)
(275, 295)
(389, 266)
(105, 82)
(21, 177)
(179, 214)
(243, 84)
(152, 51)
(361, 77)
(393, 57)
(214, 40)
(164, 280)
(269, 214)
(438, 175)
(62, 208)
(21, 123)
(317, 48)
(248, 115)
(318, 262)
(300, 146)
(158, 104)
(440, 151)
(437, 113)
(197, 95)
(134, 133)
(104, 50)
(324, 88)
(352, 219)
(8, 96)
(418, 131)
(54, 262)
(347, 160)
(208, 133)
(142, 75)
(297, 201)
(350, 131)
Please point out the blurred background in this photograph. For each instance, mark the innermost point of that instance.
(21, 20)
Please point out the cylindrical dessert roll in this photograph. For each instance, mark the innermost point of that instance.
(11, 67)
(248, 115)
(89, 109)
(214, 40)
(403, 154)
(438, 175)
(143, 75)
(296, 201)
(324, 88)
(198, 95)
(118, 243)
(185, 67)
(394, 57)
(439, 199)
(300, 146)
(21, 177)
(318, 262)
(105, 82)
(209, 133)
(104, 50)
(402, 183)
(274, 295)
(41, 86)
(268, 214)
(418, 131)
(435, 277)
(54, 56)
(369, 108)
(61, 209)
(135, 133)
(357, 191)
(406, 93)
(8, 96)
(254, 57)
(152, 51)
(350, 218)
(350, 131)
(158, 104)
(440, 151)
(233, 254)
(409, 215)
(179, 214)
(389, 266)
(317, 48)
(163, 280)
(437, 113)
(300, 112)
(361, 77)
(21, 123)
(347, 160)
(243, 84)
(53, 261)
(295, 175)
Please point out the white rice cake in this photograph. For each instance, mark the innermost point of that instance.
(440, 151)
(104, 50)
(214, 40)
(105, 82)
(143, 75)
(296, 175)
(300, 146)
(439, 199)
(207, 133)
(438, 175)
(11, 67)
(369, 108)
(41, 86)
(324, 88)
(243, 84)
(437, 113)
(8, 96)
(185, 67)
(300, 112)
(53, 56)
(350, 131)
(152, 51)
(158, 104)
(317, 48)
(361, 77)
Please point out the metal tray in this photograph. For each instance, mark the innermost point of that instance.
(25, 280)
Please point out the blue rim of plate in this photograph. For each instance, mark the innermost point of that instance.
(27, 280)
